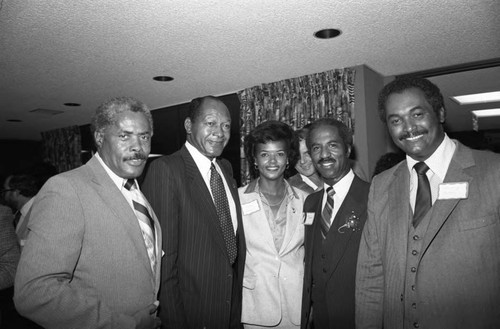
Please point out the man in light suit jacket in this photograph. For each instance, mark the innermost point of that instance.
(429, 254)
(332, 238)
(203, 266)
(86, 262)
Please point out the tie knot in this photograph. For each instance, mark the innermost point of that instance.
(421, 168)
(128, 185)
(330, 191)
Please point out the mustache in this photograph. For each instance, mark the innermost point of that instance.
(136, 156)
(329, 159)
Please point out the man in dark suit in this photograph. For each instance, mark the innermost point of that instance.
(91, 258)
(334, 217)
(202, 270)
(429, 253)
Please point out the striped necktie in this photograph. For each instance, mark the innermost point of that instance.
(146, 222)
(326, 214)
(222, 207)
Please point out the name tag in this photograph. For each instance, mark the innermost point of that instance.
(308, 218)
(448, 191)
(249, 208)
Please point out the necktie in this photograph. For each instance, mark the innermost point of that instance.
(423, 201)
(326, 214)
(222, 206)
(146, 222)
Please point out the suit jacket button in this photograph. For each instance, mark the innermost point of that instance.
(324, 270)
(413, 269)
(416, 324)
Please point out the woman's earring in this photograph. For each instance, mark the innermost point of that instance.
(256, 167)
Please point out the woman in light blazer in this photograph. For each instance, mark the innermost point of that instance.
(274, 230)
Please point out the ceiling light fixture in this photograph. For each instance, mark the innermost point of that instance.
(493, 96)
(163, 78)
(486, 113)
(327, 33)
(72, 104)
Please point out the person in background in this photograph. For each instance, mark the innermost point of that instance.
(306, 179)
(388, 160)
(196, 199)
(429, 253)
(334, 218)
(92, 257)
(274, 230)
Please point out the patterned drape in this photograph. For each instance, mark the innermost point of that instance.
(297, 101)
(62, 147)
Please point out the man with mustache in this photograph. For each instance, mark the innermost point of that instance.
(196, 199)
(334, 217)
(93, 250)
(429, 254)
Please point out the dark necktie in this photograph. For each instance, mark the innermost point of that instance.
(222, 206)
(326, 214)
(146, 222)
(423, 201)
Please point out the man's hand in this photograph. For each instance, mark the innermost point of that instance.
(146, 318)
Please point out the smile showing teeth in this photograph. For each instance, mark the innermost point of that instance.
(413, 138)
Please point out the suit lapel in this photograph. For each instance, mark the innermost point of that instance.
(311, 205)
(116, 202)
(399, 212)
(200, 190)
(442, 209)
(350, 205)
(291, 224)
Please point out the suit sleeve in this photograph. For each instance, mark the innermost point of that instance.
(43, 291)
(159, 186)
(369, 293)
(9, 252)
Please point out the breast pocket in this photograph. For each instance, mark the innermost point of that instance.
(477, 223)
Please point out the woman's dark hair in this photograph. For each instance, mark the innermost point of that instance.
(274, 131)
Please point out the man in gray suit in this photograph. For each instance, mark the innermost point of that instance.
(429, 253)
(92, 256)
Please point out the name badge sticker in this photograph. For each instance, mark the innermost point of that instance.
(308, 218)
(448, 191)
(249, 208)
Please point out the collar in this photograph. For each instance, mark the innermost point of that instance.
(119, 181)
(343, 185)
(26, 207)
(204, 164)
(440, 160)
(253, 187)
(309, 182)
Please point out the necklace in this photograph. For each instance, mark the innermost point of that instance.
(274, 204)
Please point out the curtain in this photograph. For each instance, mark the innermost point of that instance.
(62, 147)
(297, 102)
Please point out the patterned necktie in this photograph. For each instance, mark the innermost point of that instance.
(326, 214)
(222, 206)
(146, 222)
(423, 201)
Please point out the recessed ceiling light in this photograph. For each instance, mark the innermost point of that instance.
(72, 104)
(163, 78)
(14, 120)
(327, 33)
(486, 113)
(493, 96)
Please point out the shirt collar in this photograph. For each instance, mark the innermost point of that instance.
(204, 164)
(253, 187)
(119, 181)
(343, 185)
(439, 161)
(26, 207)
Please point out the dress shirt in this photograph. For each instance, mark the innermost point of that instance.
(309, 182)
(24, 211)
(438, 164)
(204, 165)
(341, 189)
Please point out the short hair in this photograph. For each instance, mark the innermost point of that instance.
(106, 113)
(399, 85)
(275, 131)
(195, 106)
(302, 133)
(344, 132)
(26, 184)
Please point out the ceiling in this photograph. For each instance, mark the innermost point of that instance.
(57, 51)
